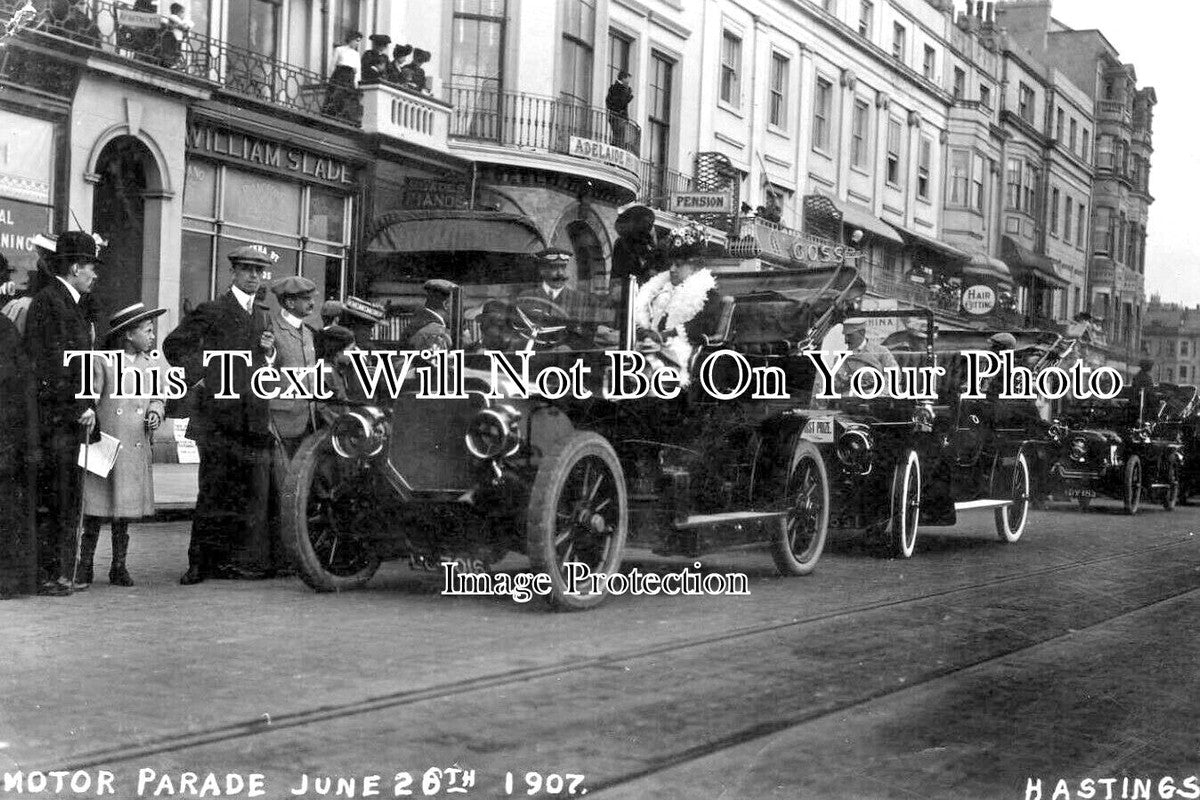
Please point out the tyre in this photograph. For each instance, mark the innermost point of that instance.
(1084, 503)
(906, 505)
(324, 508)
(1133, 485)
(578, 513)
(798, 548)
(1171, 493)
(1011, 520)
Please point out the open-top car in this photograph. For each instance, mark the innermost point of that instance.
(1179, 421)
(566, 480)
(1125, 448)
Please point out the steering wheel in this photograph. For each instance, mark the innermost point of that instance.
(540, 322)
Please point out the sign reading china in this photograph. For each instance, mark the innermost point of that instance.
(599, 151)
(700, 203)
(979, 299)
(279, 157)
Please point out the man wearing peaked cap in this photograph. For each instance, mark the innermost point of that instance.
(430, 326)
(296, 348)
(560, 304)
(1002, 341)
(229, 527)
(863, 352)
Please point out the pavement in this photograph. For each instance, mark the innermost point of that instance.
(963, 672)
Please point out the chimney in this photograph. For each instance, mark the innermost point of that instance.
(979, 10)
(970, 8)
(991, 7)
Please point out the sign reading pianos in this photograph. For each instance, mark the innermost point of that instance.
(269, 155)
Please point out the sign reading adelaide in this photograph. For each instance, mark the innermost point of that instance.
(285, 159)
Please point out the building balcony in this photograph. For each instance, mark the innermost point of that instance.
(971, 111)
(412, 118)
(145, 39)
(1114, 111)
(658, 183)
(543, 133)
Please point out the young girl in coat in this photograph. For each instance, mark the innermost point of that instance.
(128, 491)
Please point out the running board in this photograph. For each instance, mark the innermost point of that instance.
(976, 505)
(727, 518)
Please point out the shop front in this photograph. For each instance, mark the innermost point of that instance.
(247, 185)
(29, 146)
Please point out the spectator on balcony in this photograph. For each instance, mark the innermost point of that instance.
(176, 26)
(400, 54)
(375, 61)
(617, 102)
(72, 19)
(341, 97)
(412, 75)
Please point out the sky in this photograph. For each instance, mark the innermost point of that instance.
(1157, 37)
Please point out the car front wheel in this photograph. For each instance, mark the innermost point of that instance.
(1011, 519)
(906, 505)
(325, 511)
(578, 520)
(798, 548)
(1133, 485)
(1171, 492)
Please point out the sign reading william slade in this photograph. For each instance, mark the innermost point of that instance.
(599, 151)
(701, 203)
(278, 157)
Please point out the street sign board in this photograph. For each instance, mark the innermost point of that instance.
(979, 299)
(700, 203)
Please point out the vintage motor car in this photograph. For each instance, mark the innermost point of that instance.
(1123, 448)
(1181, 423)
(565, 480)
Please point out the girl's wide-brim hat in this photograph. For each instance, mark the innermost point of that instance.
(127, 317)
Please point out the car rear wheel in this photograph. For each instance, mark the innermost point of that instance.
(1171, 493)
(326, 507)
(578, 513)
(1133, 485)
(798, 548)
(906, 505)
(1010, 520)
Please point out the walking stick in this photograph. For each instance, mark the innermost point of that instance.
(87, 451)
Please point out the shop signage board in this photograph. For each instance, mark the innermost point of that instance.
(273, 156)
(700, 203)
(420, 193)
(128, 18)
(593, 150)
(879, 328)
(788, 247)
(979, 299)
(19, 222)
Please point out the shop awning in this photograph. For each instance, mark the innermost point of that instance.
(855, 217)
(1025, 264)
(446, 230)
(981, 265)
(929, 243)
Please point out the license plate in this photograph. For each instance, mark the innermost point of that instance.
(1081, 492)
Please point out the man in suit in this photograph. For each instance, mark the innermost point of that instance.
(577, 310)
(229, 529)
(57, 322)
(429, 328)
(293, 418)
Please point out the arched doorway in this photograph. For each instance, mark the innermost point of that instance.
(126, 169)
(591, 272)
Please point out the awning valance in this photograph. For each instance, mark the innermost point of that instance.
(929, 243)
(446, 231)
(1025, 264)
(981, 265)
(855, 217)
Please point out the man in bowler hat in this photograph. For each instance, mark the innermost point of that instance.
(229, 529)
(58, 322)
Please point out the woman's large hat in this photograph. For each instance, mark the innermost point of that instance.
(688, 241)
(129, 316)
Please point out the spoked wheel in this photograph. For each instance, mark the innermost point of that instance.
(1171, 493)
(578, 515)
(326, 508)
(1010, 520)
(798, 548)
(1133, 485)
(906, 505)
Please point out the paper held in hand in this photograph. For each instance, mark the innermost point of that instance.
(101, 455)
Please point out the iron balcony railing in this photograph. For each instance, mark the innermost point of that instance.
(138, 36)
(515, 119)
(658, 183)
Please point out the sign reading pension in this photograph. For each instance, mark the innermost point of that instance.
(599, 151)
(700, 203)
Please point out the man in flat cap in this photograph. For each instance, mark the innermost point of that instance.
(429, 328)
(229, 528)
(560, 303)
(863, 352)
(58, 321)
(375, 61)
(296, 349)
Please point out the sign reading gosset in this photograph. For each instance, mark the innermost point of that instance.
(599, 151)
(279, 157)
(700, 203)
(979, 299)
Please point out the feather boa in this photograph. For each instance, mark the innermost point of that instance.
(678, 305)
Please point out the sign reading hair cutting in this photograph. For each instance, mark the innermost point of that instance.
(979, 299)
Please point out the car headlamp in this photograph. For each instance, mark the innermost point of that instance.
(1079, 449)
(854, 450)
(494, 432)
(1057, 432)
(361, 433)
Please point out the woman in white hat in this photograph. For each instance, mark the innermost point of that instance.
(128, 491)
